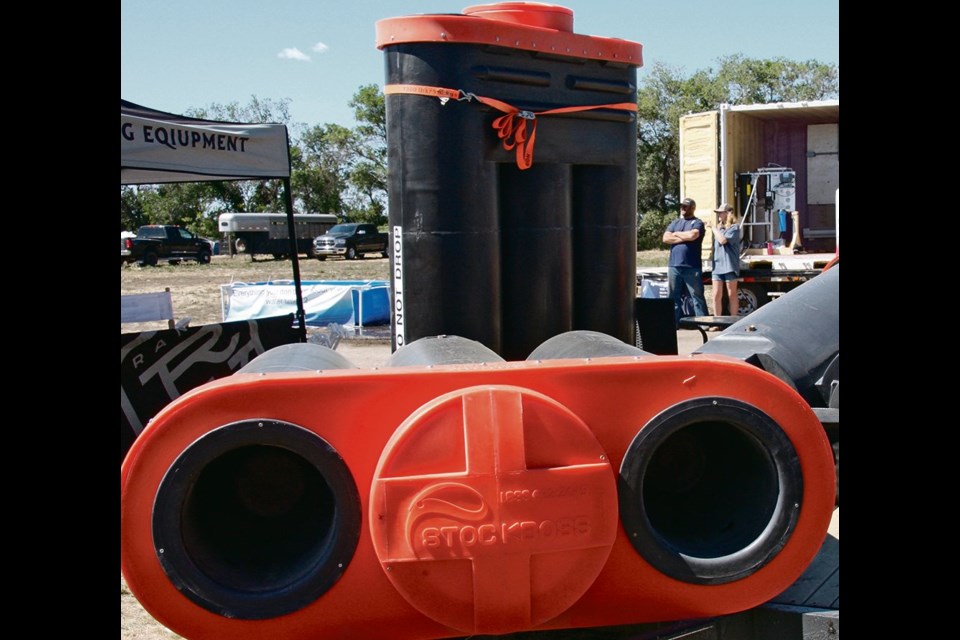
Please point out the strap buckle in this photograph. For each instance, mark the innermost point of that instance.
(464, 96)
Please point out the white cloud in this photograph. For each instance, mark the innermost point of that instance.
(320, 47)
(292, 53)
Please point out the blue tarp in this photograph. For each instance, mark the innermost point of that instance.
(353, 302)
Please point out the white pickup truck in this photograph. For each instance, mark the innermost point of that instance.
(126, 243)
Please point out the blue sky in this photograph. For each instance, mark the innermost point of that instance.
(179, 54)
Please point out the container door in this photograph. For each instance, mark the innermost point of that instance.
(700, 168)
(700, 160)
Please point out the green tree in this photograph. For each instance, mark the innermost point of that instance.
(247, 195)
(748, 81)
(650, 229)
(132, 213)
(320, 168)
(366, 198)
(258, 110)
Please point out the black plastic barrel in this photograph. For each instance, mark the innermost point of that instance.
(303, 356)
(436, 350)
(484, 248)
(796, 338)
(584, 344)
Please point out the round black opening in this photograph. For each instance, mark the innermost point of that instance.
(256, 519)
(710, 490)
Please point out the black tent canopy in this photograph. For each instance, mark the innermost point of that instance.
(158, 147)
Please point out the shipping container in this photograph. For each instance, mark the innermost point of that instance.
(778, 165)
(724, 153)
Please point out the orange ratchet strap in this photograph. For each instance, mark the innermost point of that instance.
(512, 127)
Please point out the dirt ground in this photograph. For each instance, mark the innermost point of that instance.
(195, 291)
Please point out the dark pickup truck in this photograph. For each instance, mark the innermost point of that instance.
(157, 242)
(350, 240)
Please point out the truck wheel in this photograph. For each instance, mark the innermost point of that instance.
(150, 259)
(203, 257)
(351, 254)
(241, 245)
(749, 299)
(321, 258)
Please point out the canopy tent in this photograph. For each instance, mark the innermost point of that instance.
(158, 147)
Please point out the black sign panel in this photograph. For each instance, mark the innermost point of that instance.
(156, 367)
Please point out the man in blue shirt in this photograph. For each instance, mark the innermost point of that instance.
(684, 270)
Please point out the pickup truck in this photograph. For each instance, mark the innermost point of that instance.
(126, 242)
(157, 242)
(350, 240)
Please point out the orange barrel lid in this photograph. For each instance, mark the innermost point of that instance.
(493, 509)
(531, 14)
(530, 26)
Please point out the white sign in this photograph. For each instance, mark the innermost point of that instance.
(398, 326)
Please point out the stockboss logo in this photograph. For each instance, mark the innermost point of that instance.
(451, 519)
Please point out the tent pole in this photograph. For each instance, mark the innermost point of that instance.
(295, 256)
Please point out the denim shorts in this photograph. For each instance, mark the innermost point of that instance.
(724, 277)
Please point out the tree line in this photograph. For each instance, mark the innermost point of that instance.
(341, 170)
